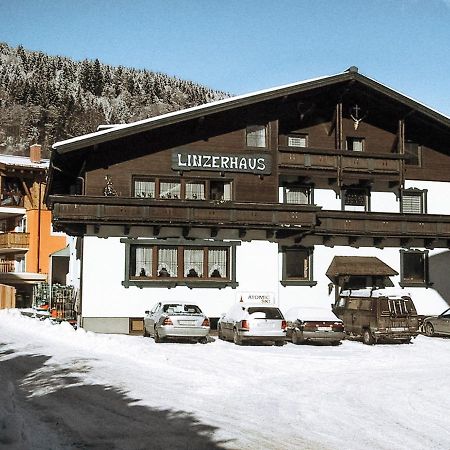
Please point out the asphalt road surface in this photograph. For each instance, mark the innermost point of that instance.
(77, 416)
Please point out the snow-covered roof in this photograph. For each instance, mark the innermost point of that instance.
(119, 131)
(23, 161)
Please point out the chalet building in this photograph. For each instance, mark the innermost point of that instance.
(253, 197)
(26, 235)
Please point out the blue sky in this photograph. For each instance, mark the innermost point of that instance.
(241, 46)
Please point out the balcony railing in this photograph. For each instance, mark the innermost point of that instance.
(12, 240)
(136, 211)
(7, 266)
(341, 161)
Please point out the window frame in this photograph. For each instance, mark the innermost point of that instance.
(309, 192)
(297, 136)
(365, 190)
(422, 193)
(353, 139)
(257, 127)
(181, 279)
(207, 183)
(426, 275)
(292, 281)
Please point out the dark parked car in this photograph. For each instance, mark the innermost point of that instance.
(440, 325)
(176, 320)
(252, 322)
(313, 325)
(377, 315)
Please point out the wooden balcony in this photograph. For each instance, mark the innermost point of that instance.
(74, 214)
(7, 266)
(384, 229)
(342, 163)
(12, 242)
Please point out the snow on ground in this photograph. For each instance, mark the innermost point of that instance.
(258, 397)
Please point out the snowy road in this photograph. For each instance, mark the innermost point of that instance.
(81, 390)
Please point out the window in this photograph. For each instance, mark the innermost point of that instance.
(355, 144)
(182, 189)
(168, 263)
(356, 199)
(414, 268)
(413, 153)
(195, 190)
(297, 266)
(170, 189)
(299, 195)
(297, 140)
(256, 136)
(144, 188)
(220, 190)
(413, 201)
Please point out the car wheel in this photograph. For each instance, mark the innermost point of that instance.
(237, 339)
(429, 329)
(203, 340)
(219, 333)
(145, 332)
(368, 338)
(279, 343)
(157, 337)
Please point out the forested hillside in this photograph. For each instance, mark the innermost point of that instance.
(45, 99)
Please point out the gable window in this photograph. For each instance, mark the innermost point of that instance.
(299, 195)
(297, 140)
(256, 136)
(413, 201)
(173, 262)
(297, 266)
(356, 199)
(413, 153)
(355, 144)
(414, 268)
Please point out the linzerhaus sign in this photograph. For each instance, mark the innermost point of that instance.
(260, 164)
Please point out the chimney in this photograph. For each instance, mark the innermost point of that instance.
(35, 153)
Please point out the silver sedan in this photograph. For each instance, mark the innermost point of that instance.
(177, 320)
(434, 325)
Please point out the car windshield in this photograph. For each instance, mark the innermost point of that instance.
(265, 313)
(179, 308)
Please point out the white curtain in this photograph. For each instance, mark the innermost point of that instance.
(193, 262)
(169, 189)
(167, 259)
(195, 191)
(217, 263)
(297, 196)
(145, 189)
(144, 261)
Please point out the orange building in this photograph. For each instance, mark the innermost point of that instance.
(26, 235)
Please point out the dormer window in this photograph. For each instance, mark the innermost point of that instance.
(355, 144)
(256, 136)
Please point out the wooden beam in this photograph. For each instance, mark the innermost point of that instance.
(28, 192)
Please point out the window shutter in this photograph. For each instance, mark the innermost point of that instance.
(412, 204)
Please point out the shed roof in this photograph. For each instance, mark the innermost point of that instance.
(358, 265)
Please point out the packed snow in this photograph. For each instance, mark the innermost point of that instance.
(253, 397)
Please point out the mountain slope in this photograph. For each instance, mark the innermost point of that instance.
(45, 99)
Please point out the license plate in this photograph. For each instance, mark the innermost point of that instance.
(399, 329)
(323, 328)
(187, 322)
